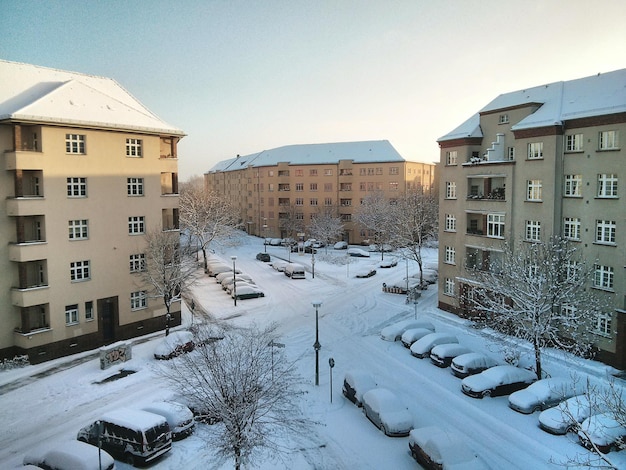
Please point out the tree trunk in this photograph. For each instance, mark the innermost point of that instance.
(237, 458)
(206, 265)
(537, 359)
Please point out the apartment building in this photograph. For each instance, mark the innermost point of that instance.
(548, 160)
(86, 171)
(299, 181)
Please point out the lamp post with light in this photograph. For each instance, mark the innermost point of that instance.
(234, 258)
(265, 234)
(317, 346)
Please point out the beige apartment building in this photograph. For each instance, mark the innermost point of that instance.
(299, 181)
(543, 161)
(86, 171)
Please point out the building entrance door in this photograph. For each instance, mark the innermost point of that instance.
(107, 309)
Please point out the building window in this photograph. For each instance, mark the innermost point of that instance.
(533, 230)
(313, 172)
(78, 229)
(571, 228)
(603, 324)
(535, 150)
(76, 187)
(137, 263)
(450, 255)
(138, 300)
(134, 186)
(603, 277)
(450, 223)
(299, 216)
(328, 187)
(609, 140)
(75, 143)
(363, 171)
(451, 157)
(574, 143)
(299, 186)
(495, 225)
(345, 202)
(510, 152)
(573, 185)
(299, 201)
(534, 189)
(605, 231)
(299, 172)
(79, 271)
(503, 119)
(379, 170)
(394, 170)
(328, 201)
(346, 217)
(393, 186)
(572, 271)
(89, 310)
(313, 187)
(450, 190)
(607, 185)
(313, 201)
(136, 225)
(283, 172)
(328, 172)
(71, 314)
(133, 147)
(448, 287)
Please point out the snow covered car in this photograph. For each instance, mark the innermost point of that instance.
(436, 449)
(341, 246)
(388, 263)
(365, 272)
(394, 332)
(355, 384)
(497, 381)
(422, 347)
(565, 416)
(279, 265)
(385, 410)
(178, 416)
(222, 268)
(247, 291)
(265, 257)
(358, 253)
(220, 278)
(442, 354)
(174, 344)
(471, 363)
(411, 335)
(69, 455)
(239, 278)
(543, 394)
(603, 431)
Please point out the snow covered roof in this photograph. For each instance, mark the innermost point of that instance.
(597, 95)
(38, 94)
(371, 151)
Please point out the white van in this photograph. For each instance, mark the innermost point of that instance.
(294, 271)
(178, 416)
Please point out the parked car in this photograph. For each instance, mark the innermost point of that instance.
(295, 271)
(442, 354)
(137, 437)
(222, 268)
(394, 332)
(355, 384)
(436, 449)
(603, 431)
(178, 416)
(379, 248)
(365, 272)
(383, 408)
(227, 284)
(263, 257)
(279, 265)
(276, 241)
(496, 381)
(220, 278)
(388, 263)
(565, 416)
(174, 344)
(543, 394)
(471, 363)
(411, 335)
(422, 347)
(248, 291)
(230, 286)
(358, 253)
(341, 246)
(69, 455)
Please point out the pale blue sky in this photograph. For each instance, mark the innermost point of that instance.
(243, 76)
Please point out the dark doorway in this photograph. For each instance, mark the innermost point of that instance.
(107, 313)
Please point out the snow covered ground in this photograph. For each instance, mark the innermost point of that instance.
(37, 406)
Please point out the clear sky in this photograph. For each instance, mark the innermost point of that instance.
(243, 76)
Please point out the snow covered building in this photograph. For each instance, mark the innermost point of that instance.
(86, 170)
(300, 180)
(534, 163)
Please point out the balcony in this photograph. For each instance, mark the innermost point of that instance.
(486, 187)
(29, 296)
(29, 251)
(483, 260)
(23, 160)
(25, 206)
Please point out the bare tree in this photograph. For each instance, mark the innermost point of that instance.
(326, 226)
(290, 223)
(538, 292)
(415, 224)
(248, 386)
(375, 215)
(206, 216)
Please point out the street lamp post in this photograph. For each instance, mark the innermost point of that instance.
(317, 346)
(234, 258)
(265, 234)
(313, 262)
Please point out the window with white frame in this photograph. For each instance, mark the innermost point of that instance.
(451, 157)
(607, 185)
(533, 230)
(328, 172)
(89, 310)
(75, 143)
(394, 170)
(510, 152)
(503, 119)
(495, 225)
(535, 150)
(328, 187)
(605, 231)
(574, 143)
(299, 216)
(71, 314)
(138, 300)
(76, 187)
(450, 255)
(571, 228)
(393, 186)
(534, 190)
(78, 229)
(313, 172)
(450, 190)
(603, 324)
(313, 187)
(79, 270)
(450, 223)
(134, 148)
(573, 186)
(572, 271)
(448, 287)
(137, 262)
(134, 186)
(603, 277)
(313, 201)
(136, 225)
(608, 140)
(299, 186)
(299, 201)
(328, 201)
(299, 172)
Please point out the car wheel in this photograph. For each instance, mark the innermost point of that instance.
(129, 459)
(82, 439)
